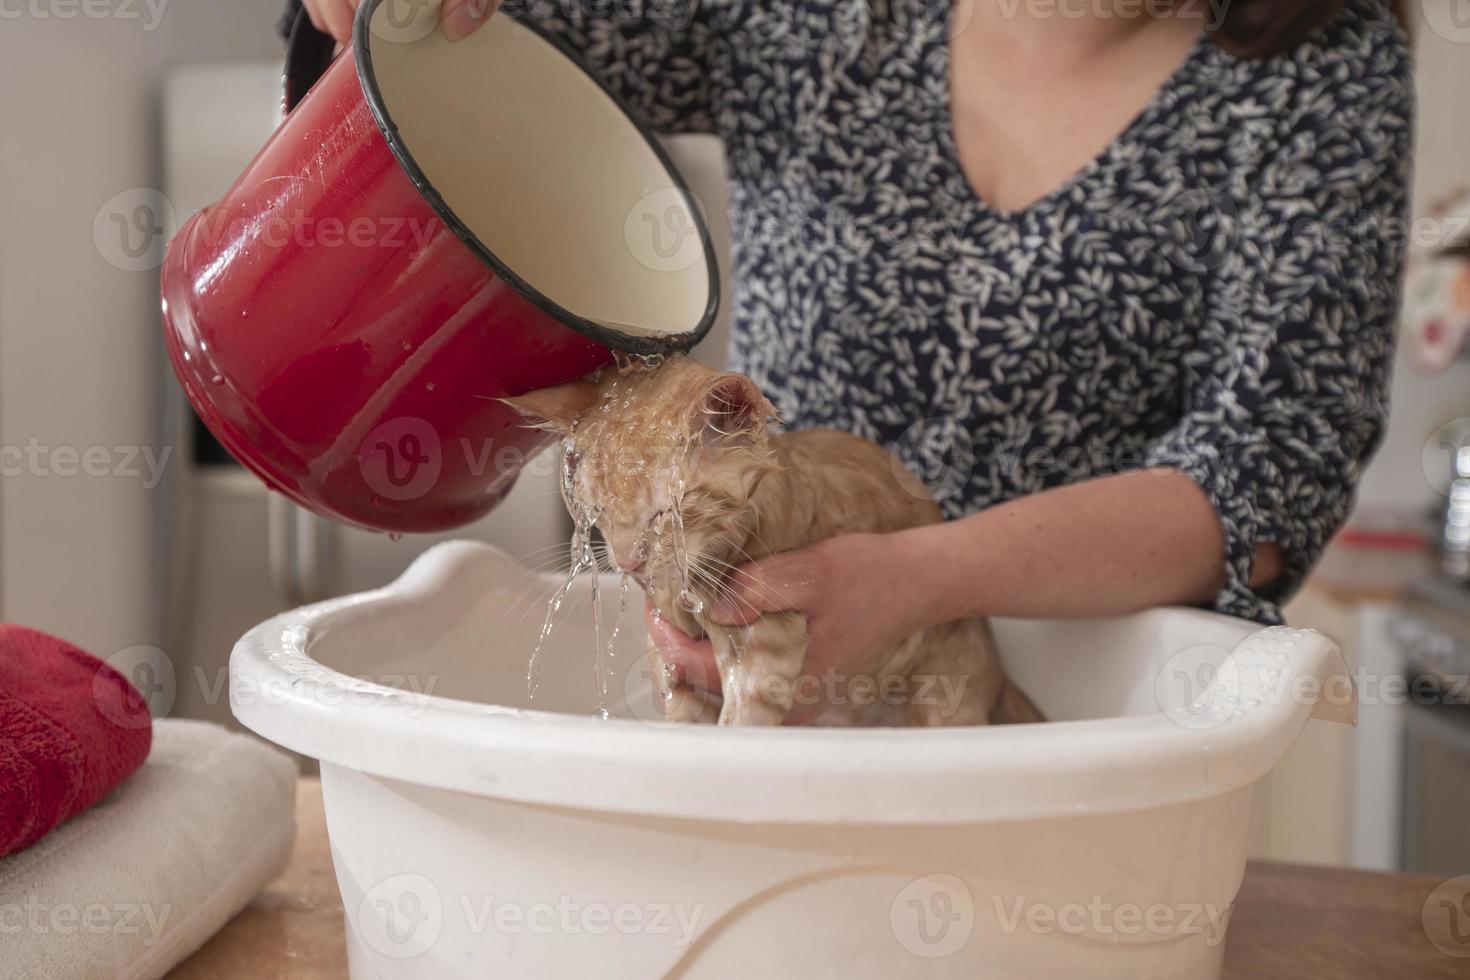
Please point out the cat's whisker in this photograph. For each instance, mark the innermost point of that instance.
(560, 550)
(755, 585)
(529, 597)
(720, 578)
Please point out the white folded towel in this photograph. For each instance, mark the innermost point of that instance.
(134, 885)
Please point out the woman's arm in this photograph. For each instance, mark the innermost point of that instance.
(1106, 546)
(1110, 545)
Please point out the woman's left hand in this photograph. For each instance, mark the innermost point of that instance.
(860, 596)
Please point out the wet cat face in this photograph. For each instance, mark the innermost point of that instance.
(664, 462)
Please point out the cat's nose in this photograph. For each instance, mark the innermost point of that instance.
(629, 566)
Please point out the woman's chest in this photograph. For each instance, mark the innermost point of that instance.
(900, 294)
(866, 259)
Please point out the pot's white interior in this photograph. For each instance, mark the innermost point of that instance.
(543, 167)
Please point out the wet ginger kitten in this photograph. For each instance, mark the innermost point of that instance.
(686, 482)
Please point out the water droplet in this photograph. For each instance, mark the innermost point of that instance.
(408, 345)
(395, 536)
(430, 386)
(217, 379)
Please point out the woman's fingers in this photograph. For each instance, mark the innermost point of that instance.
(461, 18)
(457, 18)
(335, 17)
(314, 17)
(693, 661)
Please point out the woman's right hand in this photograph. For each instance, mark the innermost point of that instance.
(457, 18)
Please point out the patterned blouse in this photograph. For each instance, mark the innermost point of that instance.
(1214, 292)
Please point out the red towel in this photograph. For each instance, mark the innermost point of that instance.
(71, 728)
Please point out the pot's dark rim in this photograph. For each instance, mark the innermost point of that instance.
(628, 343)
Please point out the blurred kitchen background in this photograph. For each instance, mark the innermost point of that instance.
(124, 531)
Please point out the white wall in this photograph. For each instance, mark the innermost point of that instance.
(80, 359)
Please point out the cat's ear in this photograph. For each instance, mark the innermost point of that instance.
(732, 410)
(560, 405)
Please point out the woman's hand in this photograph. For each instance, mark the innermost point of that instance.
(1101, 547)
(860, 593)
(457, 18)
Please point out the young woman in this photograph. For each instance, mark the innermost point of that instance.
(1117, 277)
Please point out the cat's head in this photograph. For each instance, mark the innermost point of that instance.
(665, 459)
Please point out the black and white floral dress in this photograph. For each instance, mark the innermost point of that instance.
(1214, 292)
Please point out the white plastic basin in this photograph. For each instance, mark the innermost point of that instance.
(475, 837)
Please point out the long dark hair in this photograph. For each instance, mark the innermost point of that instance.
(1261, 28)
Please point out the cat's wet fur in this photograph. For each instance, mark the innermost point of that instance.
(683, 475)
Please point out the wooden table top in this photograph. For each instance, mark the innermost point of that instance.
(1290, 923)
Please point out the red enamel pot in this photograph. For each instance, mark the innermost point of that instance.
(433, 227)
